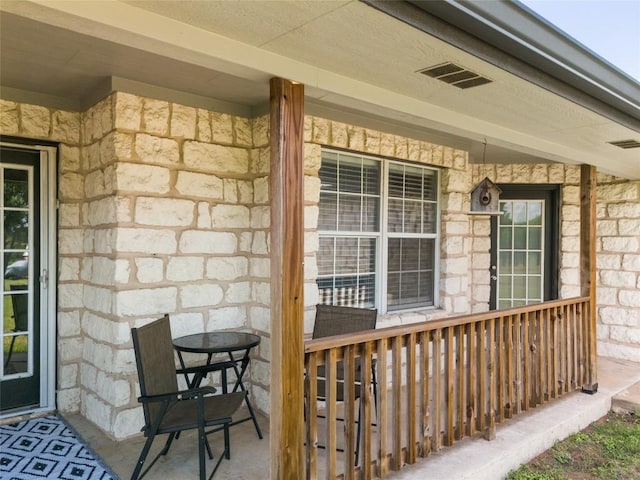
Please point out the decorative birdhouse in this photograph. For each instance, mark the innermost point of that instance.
(485, 197)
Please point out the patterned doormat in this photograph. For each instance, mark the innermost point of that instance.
(48, 448)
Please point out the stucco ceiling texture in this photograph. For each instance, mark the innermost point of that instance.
(355, 62)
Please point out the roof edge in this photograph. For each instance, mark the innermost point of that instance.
(514, 38)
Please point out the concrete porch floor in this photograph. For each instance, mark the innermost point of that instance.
(517, 440)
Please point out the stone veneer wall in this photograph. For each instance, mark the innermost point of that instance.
(163, 209)
(618, 262)
(455, 182)
(618, 249)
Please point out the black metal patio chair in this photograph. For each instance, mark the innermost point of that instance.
(337, 320)
(168, 410)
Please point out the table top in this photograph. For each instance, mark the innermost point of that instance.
(216, 342)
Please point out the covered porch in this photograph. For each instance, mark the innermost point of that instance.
(517, 440)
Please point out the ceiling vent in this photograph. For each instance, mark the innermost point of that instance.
(455, 75)
(626, 143)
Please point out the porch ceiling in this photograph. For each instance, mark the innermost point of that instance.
(357, 64)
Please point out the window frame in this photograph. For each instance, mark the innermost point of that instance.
(382, 236)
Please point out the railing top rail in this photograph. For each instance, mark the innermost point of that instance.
(324, 343)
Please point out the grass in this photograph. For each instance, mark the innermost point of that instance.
(609, 449)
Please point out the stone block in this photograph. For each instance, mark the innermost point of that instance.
(260, 267)
(625, 335)
(35, 121)
(618, 192)
(624, 210)
(311, 242)
(216, 158)
(122, 272)
(65, 127)
(203, 126)
(260, 217)
(311, 189)
(186, 323)
(629, 227)
(149, 270)
(238, 293)
(620, 244)
(261, 131)
(570, 260)
(68, 323)
(183, 121)
(204, 295)
(68, 400)
(146, 301)
(69, 349)
(260, 318)
(570, 195)
(260, 244)
(68, 269)
(609, 261)
(200, 185)
(70, 295)
(9, 117)
(629, 298)
(570, 213)
(242, 132)
(127, 423)
(617, 278)
(145, 240)
(185, 269)
(142, 178)
(604, 228)
(196, 241)
(261, 190)
(620, 316)
(320, 130)
(155, 115)
(572, 174)
(244, 192)
(128, 111)
(156, 150)
(227, 318)
(631, 262)
(68, 376)
(69, 159)
(222, 128)
(227, 268)
(101, 212)
(98, 299)
(164, 212)
(230, 216)
(261, 293)
(71, 186)
(97, 411)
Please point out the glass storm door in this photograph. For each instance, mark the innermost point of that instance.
(524, 249)
(21, 382)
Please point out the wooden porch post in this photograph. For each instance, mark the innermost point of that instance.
(588, 265)
(287, 250)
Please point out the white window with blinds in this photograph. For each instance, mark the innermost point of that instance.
(378, 229)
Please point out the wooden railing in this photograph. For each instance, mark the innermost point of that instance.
(438, 382)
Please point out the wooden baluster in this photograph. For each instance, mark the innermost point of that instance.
(491, 409)
(557, 339)
(460, 381)
(366, 396)
(481, 416)
(511, 399)
(436, 439)
(311, 388)
(501, 367)
(548, 353)
(575, 345)
(427, 431)
(411, 399)
(471, 379)
(526, 352)
(330, 388)
(383, 401)
(449, 382)
(396, 380)
(350, 414)
(517, 366)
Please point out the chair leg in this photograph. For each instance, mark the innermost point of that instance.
(202, 440)
(165, 449)
(143, 456)
(227, 443)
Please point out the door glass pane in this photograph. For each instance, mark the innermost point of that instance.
(16, 329)
(520, 252)
(16, 188)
